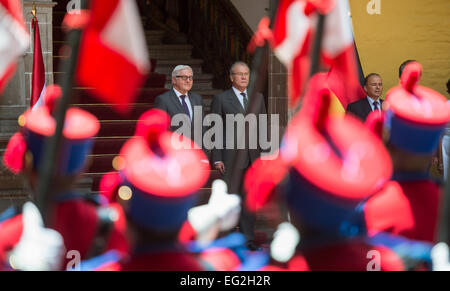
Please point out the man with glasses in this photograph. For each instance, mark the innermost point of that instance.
(230, 103)
(181, 102)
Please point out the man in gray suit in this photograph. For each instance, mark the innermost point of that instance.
(232, 102)
(180, 101)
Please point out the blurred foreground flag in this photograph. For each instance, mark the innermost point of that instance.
(292, 32)
(14, 38)
(38, 79)
(338, 51)
(113, 53)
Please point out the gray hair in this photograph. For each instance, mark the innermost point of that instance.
(179, 68)
(239, 63)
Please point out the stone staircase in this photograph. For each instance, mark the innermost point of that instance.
(116, 128)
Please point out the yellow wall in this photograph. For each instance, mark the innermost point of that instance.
(405, 29)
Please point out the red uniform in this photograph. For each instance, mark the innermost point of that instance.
(77, 220)
(166, 259)
(348, 256)
(170, 260)
(412, 211)
(414, 121)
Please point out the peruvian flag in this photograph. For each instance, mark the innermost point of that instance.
(338, 51)
(14, 38)
(114, 59)
(292, 33)
(38, 78)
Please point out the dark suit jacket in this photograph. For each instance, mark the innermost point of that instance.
(170, 103)
(361, 108)
(228, 103)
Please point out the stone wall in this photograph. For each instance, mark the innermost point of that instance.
(404, 29)
(16, 98)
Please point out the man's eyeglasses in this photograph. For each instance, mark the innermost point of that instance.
(186, 78)
(242, 74)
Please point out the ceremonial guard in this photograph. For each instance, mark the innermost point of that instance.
(157, 184)
(414, 119)
(88, 225)
(332, 164)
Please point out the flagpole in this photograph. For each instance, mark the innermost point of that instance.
(315, 64)
(52, 145)
(315, 58)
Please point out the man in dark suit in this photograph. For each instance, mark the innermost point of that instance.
(231, 103)
(373, 85)
(185, 108)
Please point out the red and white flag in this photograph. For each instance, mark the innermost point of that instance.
(14, 38)
(292, 33)
(114, 59)
(338, 51)
(38, 77)
(294, 28)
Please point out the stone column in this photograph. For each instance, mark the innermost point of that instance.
(16, 97)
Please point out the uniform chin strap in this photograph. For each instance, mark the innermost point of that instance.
(220, 214)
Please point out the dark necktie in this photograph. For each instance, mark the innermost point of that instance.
(185, 106)
(375, 106)
(245, 100)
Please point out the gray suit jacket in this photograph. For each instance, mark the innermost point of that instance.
(170, 103)
(227, 103)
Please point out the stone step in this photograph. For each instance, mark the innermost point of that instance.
(153, 80)
(84, 95)
(60, 10)
(108, 145)
(170, 52)
(147, 96)
(4, 139)
(106, 111)
(112, 128)
(157, 51)
(166, 66)
(96, 178)
(13, 198)
(154, 36)
(11, 181)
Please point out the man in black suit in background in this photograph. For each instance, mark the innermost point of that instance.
(230, 103)
(373, 85)
(181, 102)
